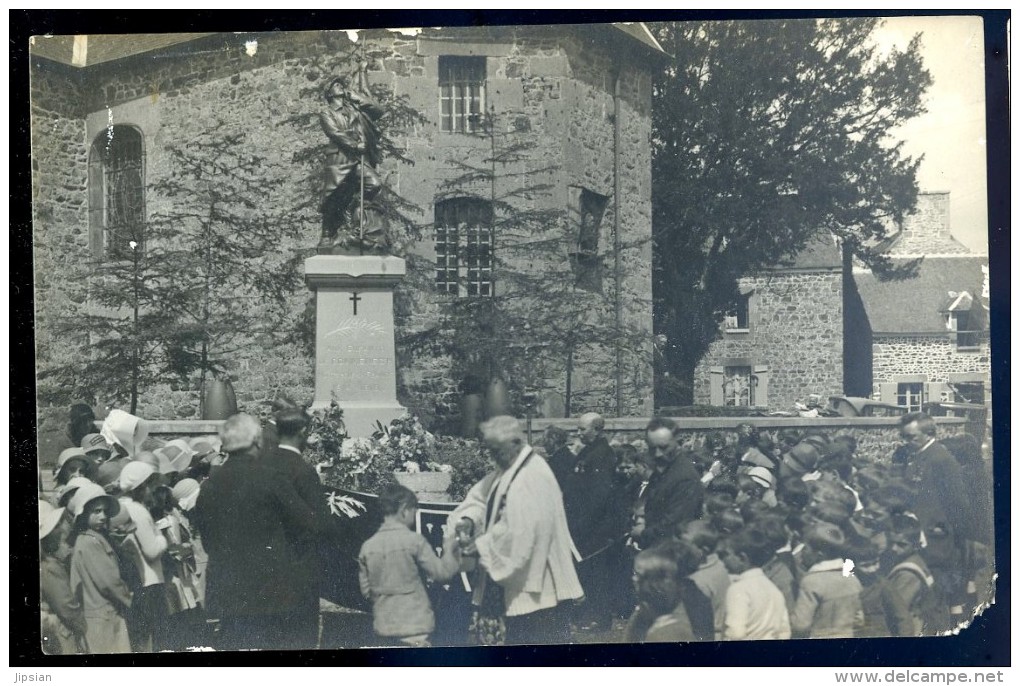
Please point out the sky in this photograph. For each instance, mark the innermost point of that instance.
(951, 135)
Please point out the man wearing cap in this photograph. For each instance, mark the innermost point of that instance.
(800, 462)
(248, 515)
(291, 431)
(675, 492)
(592, 514)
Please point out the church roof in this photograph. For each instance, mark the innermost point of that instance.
(85, 51)
(638, 30)
(92, 49)
(918, 305)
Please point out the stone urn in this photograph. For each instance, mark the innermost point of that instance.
(429, 487)
(496, 399)
(220, 401)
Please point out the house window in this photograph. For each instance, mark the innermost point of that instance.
(968, 391)
(739, 383)
(464, 241)
(738, 387)
(910, 395)
(117, 193)
(461, 93)
(737, 319)
(585, 261)
(968, 335)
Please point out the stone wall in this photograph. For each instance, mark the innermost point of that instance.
(796, 332)
(557, 82)
(931, 356)
(60, 244)
(876, 437)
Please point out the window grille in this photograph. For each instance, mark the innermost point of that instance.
(464, 247)
(461, 93)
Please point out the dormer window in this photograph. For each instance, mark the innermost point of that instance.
(964, 320)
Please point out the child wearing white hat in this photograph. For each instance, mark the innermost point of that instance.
(63, 624)
(95, 575)
(144, 549)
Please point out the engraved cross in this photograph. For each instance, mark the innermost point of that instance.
(354, 299)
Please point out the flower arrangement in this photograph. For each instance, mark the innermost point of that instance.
(368, 464)
(408, 446)
(343, 461)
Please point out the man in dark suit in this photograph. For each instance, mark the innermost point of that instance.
(593, 517)
(940, 504)
(291, 425)
(248, 516)
(675, 493)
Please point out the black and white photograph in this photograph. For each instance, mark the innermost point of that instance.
(513, 334)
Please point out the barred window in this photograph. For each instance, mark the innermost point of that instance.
(461, 93)
(464, 241)
(117, 193)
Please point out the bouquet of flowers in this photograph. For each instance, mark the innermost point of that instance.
(408, 446)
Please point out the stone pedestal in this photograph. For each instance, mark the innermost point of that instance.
(354, 346)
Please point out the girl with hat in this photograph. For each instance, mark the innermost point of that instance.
(95, 577)
(63, 624)
(145, 548)
(71, 463)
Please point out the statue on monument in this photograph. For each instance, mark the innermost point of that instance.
(353, 221)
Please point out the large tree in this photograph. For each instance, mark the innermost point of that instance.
(767, 134)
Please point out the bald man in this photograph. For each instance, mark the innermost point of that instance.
(593, 517)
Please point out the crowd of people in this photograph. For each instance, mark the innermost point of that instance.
(737, 535)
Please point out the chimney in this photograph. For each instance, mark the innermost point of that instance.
(930, 221)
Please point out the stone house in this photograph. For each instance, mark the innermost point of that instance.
(578, 98)
(924, 340)
(784, 340)
(827, 326)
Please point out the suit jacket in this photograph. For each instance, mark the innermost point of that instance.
(305, 480)
(672, 497)
(591, 506)
(941, 494)
(249, 517)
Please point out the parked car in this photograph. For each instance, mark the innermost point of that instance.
(846, 406)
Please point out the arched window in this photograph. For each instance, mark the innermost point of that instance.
(464, 241)
(117, 193)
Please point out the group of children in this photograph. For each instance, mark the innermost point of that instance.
(801, 538)
(120, 568)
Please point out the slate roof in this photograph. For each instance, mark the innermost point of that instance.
(915, 306)
(821, 252)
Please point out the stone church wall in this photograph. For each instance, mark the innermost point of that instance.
(558, 82)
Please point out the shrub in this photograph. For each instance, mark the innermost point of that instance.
(469, 462)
